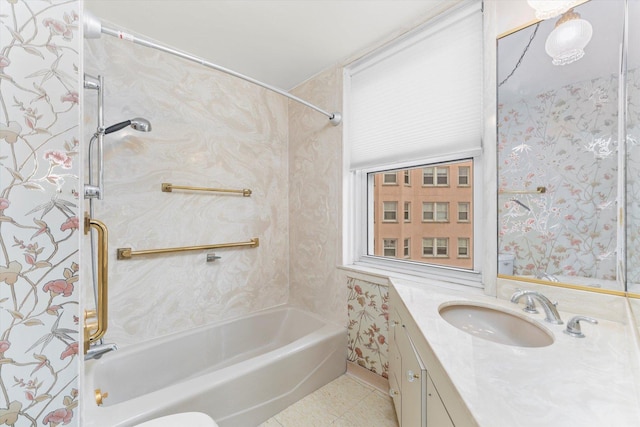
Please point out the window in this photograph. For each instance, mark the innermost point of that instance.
(415, 110)
(390, 179)
(463, 212)
(435, 247)
(435, 176)
(463, 176)
(390, 211)
(390, 247)
(435, 211)
(463, 247)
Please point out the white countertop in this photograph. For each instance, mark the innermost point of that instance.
(583, 382)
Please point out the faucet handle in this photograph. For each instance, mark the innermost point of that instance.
(573, 326)
(530, 306)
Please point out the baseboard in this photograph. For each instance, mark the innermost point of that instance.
(368, 377)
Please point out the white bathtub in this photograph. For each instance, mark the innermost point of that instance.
(240, 372)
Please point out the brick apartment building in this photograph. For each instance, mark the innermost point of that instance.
(425, 214)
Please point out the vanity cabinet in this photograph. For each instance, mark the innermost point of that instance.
(415, 396)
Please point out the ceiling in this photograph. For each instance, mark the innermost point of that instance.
(280, 42)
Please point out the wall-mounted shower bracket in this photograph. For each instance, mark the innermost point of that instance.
(91, 191)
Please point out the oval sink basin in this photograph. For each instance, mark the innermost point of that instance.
(494, 324)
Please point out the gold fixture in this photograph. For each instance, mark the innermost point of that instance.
(538, 190)
(95, 329)
(127, 253)
(168, 188)
(100, 396)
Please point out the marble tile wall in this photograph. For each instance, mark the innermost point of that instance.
(39, 224)
(315, 192)
(209, 130)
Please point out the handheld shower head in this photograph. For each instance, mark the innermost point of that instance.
(139, 124)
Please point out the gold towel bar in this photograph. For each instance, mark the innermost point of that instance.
(538, 190)
(127, 253)
(168, 188)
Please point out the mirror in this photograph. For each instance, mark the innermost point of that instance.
(560, 174)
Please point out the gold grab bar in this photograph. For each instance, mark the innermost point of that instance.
(127, 253)
(538, 190)
(95, 329)
(168, 188)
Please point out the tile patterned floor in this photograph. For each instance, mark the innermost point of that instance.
(344, 402)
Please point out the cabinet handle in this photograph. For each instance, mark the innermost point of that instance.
(411, 376)
(393, 393)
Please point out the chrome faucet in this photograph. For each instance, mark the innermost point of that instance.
(551, 314)
(97, 350)
(573, 326)
(546, 276)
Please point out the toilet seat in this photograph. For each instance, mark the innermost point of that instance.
(186, 419)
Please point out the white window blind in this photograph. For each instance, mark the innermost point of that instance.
(421, 96)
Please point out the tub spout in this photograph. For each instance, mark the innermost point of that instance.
(96, 351)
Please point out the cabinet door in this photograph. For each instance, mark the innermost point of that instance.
(395, 365)
(437, 415)
(413, 383)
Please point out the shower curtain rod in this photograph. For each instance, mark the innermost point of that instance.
(93, 27)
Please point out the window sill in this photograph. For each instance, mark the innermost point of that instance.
(385, 277)
(388, 268)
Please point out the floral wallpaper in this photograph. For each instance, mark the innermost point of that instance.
(39, 224)
(633, 184)
(570, 148)
(368, 327)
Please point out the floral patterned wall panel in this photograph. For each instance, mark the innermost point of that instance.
(39, 230)
(368, 311)
(570, 148)
(633, 183)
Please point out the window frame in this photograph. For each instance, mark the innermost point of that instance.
(385, 247)
(359, 216)
(395, 179)
(435, 246)
(435, 212)
(406, 212)
(436, 176)
(468, 212)
(467, 255)
(385, 210)
(467, 175)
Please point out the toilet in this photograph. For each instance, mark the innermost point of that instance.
(185, 419)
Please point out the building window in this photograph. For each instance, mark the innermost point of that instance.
(407, 211)
(463, 176)
(435, 247)
(435, 176)
(407, 177)
(407, 248)
(390, 211)
(390, 179)
(389, 249)
(463, 247)
(463, 211)
(435, 211)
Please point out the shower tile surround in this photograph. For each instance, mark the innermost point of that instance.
(208, 130)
